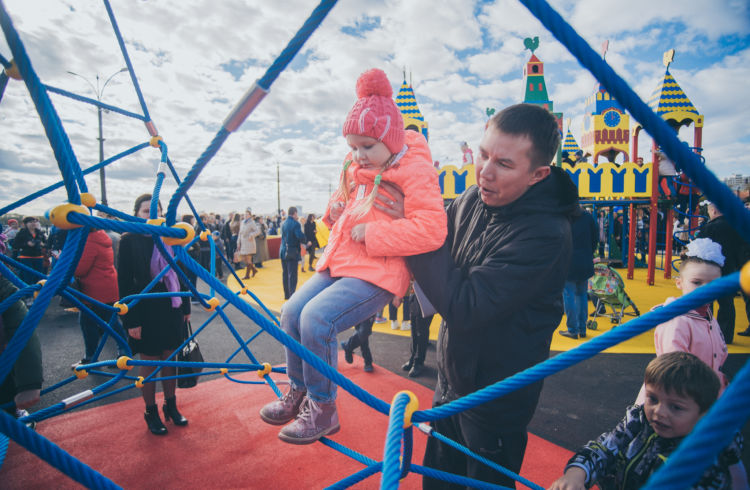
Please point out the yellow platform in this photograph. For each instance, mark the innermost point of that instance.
(267, 286)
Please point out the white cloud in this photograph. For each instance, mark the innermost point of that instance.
(194, 60)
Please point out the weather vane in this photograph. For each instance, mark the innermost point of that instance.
(668, 58)
(531, 44)
(567, 122)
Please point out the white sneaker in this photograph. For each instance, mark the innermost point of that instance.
(406, 325)
(394, 324)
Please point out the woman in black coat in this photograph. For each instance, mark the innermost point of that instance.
(312, 239)
(154, 325)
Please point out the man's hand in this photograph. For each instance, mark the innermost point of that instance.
(135, 333)
(335, 211)
(573, 479)
(391, 202)
(26, 399)
(358, 232)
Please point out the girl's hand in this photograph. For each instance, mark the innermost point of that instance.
(336, 210)
(187, 318)
(135, 333)
(391, 202)
(358, 232)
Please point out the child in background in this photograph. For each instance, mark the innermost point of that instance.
(680, 388)
(360, 338)
(697, 331)
(220, 250)
(363, 266)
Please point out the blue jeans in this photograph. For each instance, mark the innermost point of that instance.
(576, 304)
(92, 331)
(315, 314)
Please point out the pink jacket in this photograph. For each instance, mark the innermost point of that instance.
(380, 258)
(96, 270)
(695, 334)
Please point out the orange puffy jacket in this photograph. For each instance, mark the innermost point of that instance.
(380, 258)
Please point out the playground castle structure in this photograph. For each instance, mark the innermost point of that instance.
(616, 177)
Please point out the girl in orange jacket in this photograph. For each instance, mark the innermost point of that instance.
(363, 266)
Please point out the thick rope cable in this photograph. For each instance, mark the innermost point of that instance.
(61, 183)
(710, 435)
(53, 454)
(729, 204)
(126, 57)
(703, 295)
(97, 103)
(456, 479)
(392, 449)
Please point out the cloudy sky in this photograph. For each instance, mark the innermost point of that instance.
(195, 59)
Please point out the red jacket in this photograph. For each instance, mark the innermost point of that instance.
(380, 258)
(96, 270)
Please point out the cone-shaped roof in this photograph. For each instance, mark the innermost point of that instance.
(570, 145)
(669, 97)
(407, 103)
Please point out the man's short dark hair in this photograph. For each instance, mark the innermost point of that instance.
(292, 210)
(536, 123)
(684, 374)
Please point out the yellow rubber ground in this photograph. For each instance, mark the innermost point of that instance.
(267, 286)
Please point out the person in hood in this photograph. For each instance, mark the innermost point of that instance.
(497, 282)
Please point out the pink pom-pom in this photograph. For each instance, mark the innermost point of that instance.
(374, 82)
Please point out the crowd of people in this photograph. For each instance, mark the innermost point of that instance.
(500, 265)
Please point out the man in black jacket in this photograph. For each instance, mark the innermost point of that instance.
(497, 283)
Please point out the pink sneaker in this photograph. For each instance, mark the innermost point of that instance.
(281, 411)
(315, 420)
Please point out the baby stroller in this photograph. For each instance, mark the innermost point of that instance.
(607, 289)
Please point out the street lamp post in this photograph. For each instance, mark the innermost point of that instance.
(98, 92)
(278, 184)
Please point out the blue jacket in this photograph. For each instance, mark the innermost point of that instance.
(291, 239)
(585, 234)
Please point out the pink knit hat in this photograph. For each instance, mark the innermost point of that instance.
(375, 114)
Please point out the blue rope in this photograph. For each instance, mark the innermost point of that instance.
(4, 61)
(51, 188)
(122, 226)
(66, 160)
(52, 454)
(3, 84)
(3, 448)
(729, 204)
(88, 100)
(711, 434)
(299, 39)
(125, 56)
(451, 478)
(392, 449)
(701, 296)
(505, 471)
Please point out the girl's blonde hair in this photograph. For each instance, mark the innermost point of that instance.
(364, 207)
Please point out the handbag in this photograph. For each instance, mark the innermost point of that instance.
(191, 352)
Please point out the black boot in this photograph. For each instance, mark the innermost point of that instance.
(170, 412)
(407, 365)
(153, 421)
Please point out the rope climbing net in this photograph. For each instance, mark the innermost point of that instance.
(713, 432)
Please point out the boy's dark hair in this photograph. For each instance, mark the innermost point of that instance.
(686, 259)
(292, 210)
(536, 123)
(684, 374)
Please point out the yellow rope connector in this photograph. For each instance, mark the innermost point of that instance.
(243, 291)
(204, 235)
(189, 234)
(88, 199)
(122, 307)
(80, 374)
(411, 407)
(41, 282)
(139, 382)
(266, 369)
(223, 370)
(212, 304)
(154, 141)
(122, 363)
(745, 278)
(13, 72)
(59, 215)
(155, 221)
